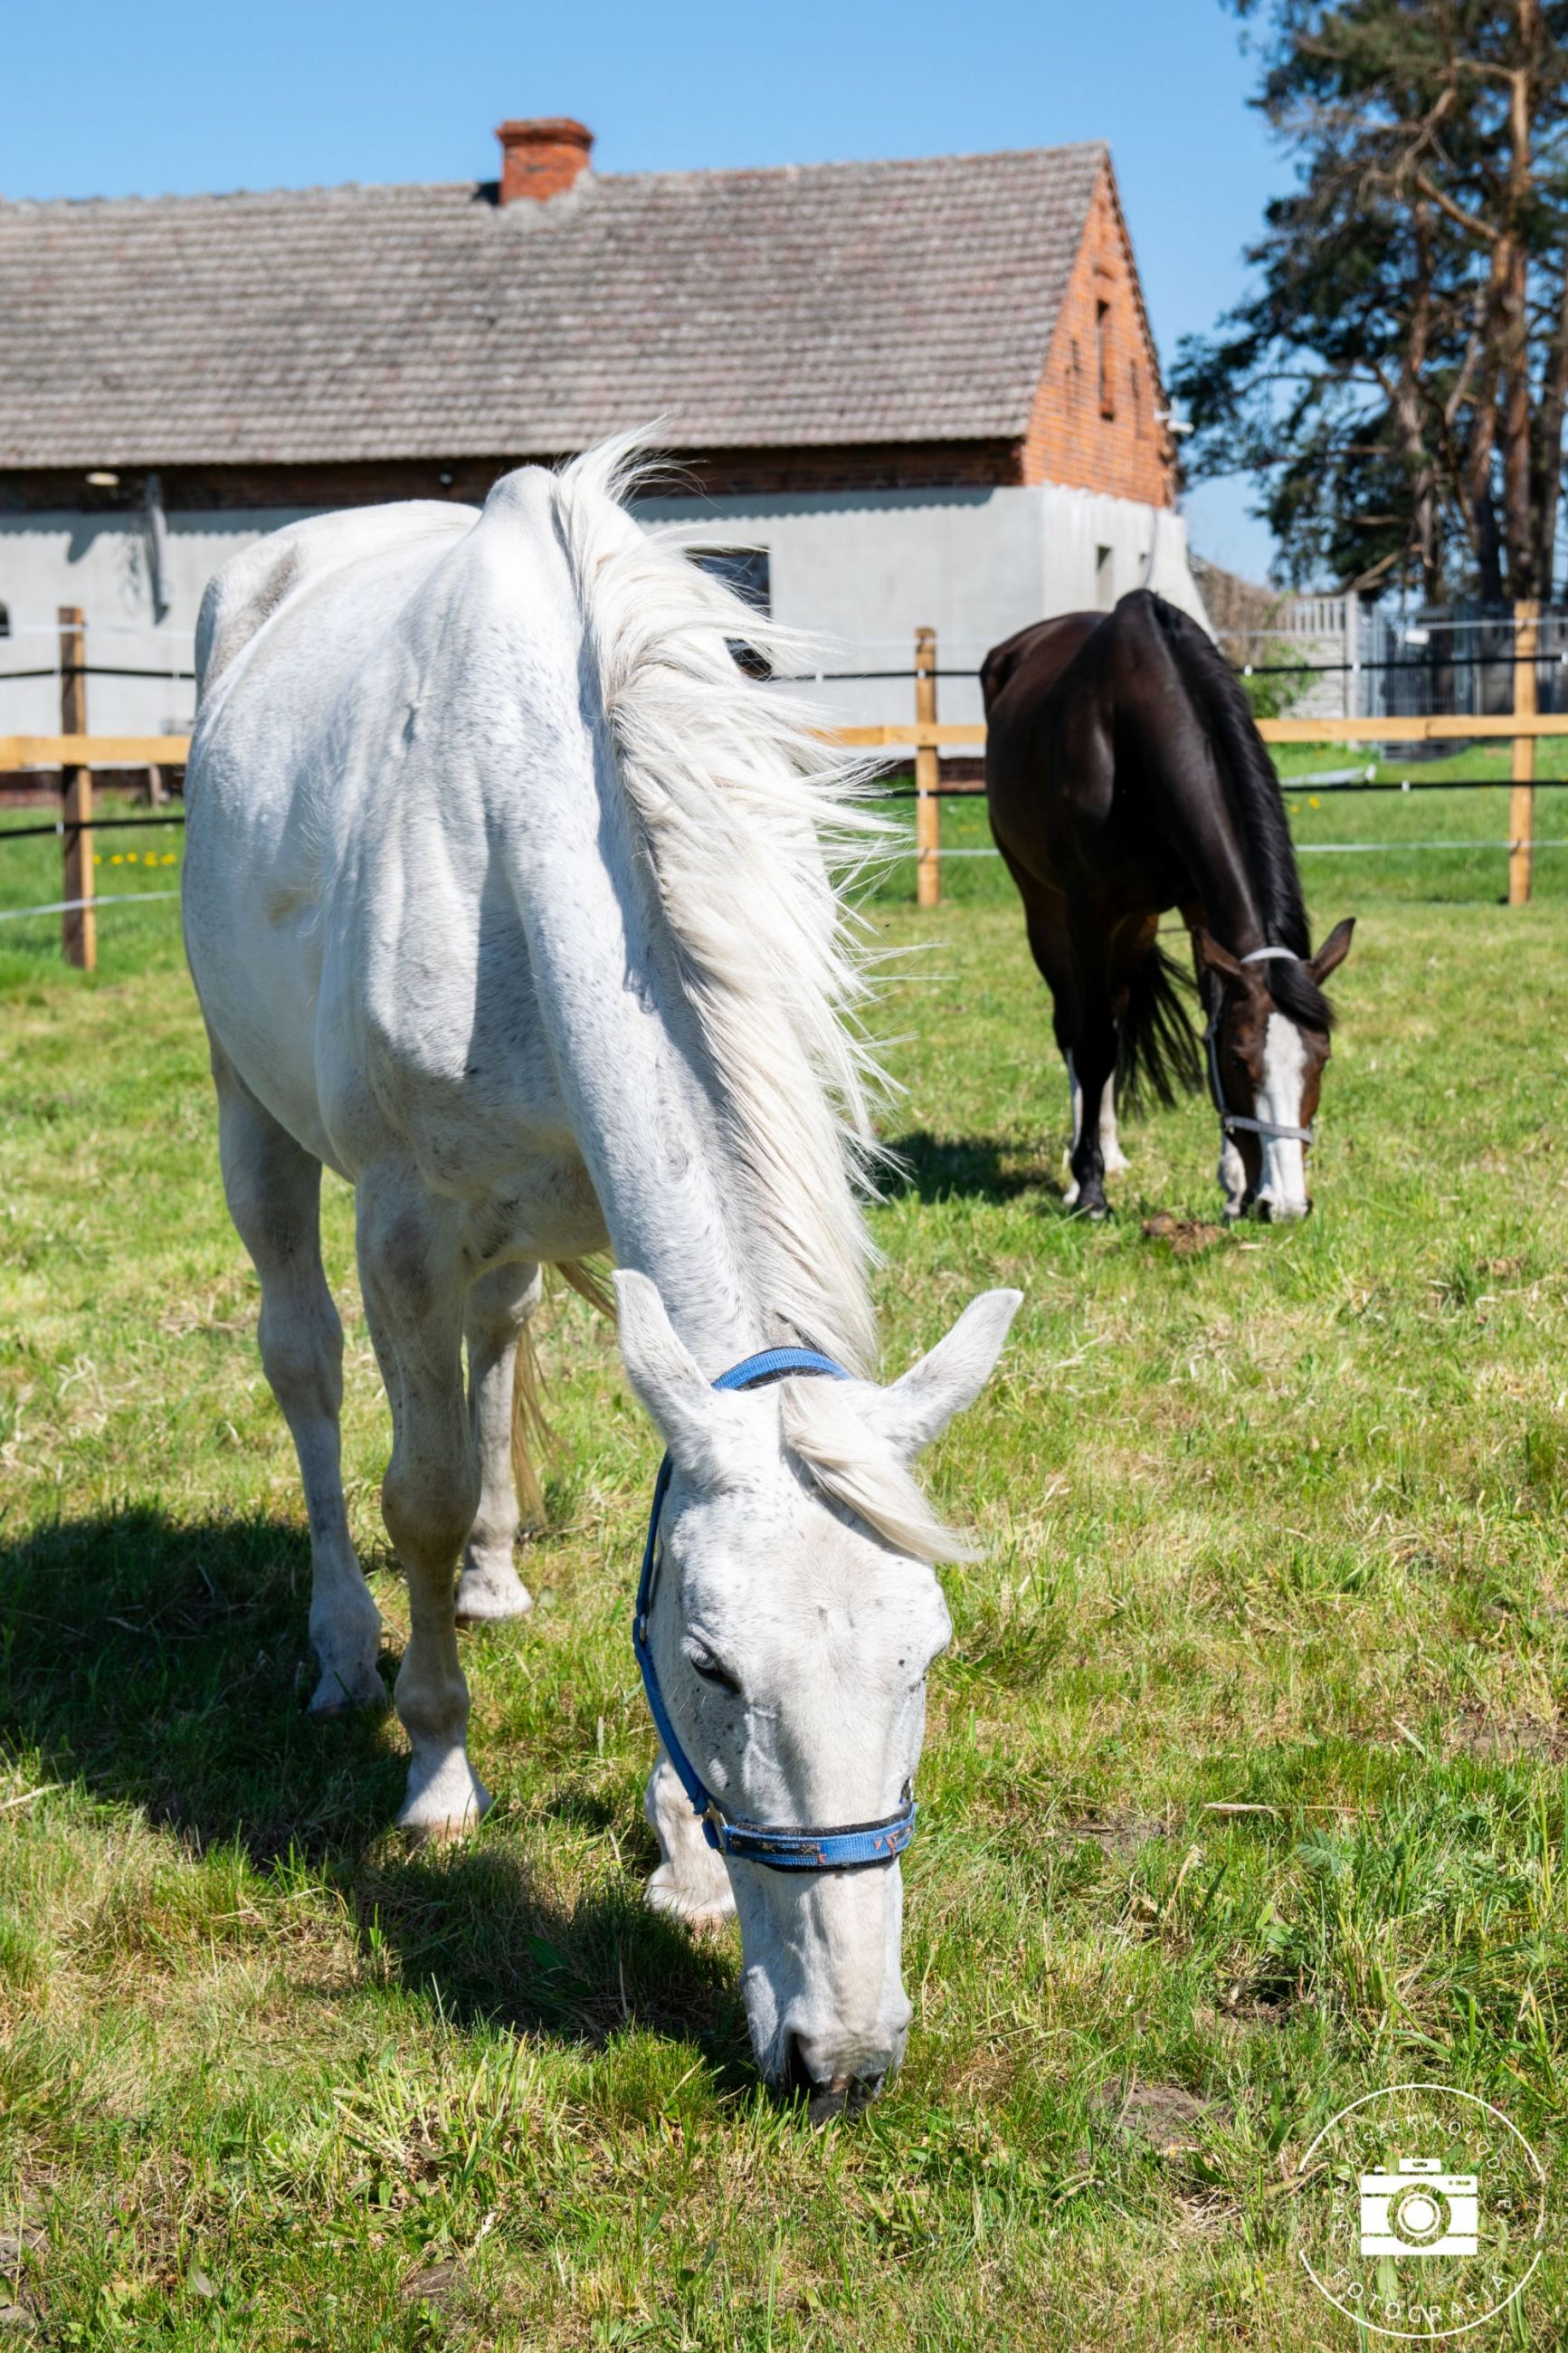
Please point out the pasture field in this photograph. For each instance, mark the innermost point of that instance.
(1243, 1795)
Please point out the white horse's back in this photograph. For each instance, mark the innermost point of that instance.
(275, 573)
(327, 801)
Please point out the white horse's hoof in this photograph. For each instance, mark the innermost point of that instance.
(1116, 1161)
(342, 1690)
(485, 1595)
(705, 1907)
(1070, 1199)
(446, 1797)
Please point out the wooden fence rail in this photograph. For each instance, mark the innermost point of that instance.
(76, 754)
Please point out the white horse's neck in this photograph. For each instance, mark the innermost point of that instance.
(650, 1127)
(650, 1112)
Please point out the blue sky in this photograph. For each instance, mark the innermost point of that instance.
(111, 100)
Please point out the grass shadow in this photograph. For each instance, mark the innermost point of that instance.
(934, 1168)
(165, 1664)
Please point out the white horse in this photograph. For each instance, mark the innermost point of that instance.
(506, 896)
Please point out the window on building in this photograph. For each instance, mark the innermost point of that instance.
(747, 571)
(1104, 578)
(1102, 358)
(4, 620)
(1137, 383)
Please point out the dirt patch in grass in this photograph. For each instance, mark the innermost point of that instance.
(1501, 1738)
(1113, 1833)
(440, 2285)
(1161, 2113)
(1186, 1237)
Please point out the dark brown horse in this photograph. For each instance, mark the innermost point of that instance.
(1126, 776)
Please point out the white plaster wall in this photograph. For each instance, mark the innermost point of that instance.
(1148, 549)
(858, 571)
(99, 563)
(863, 570)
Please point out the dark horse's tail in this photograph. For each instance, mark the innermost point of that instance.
(1156, 1052)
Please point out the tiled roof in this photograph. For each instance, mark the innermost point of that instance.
(819, 304)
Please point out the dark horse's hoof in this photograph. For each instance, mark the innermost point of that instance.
(1092, 1204)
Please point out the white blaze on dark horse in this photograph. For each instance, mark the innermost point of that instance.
(1125, 777)
(508, 898)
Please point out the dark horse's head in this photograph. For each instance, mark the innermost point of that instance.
(1267, 1045)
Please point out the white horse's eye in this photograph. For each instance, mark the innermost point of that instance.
(711, 1670)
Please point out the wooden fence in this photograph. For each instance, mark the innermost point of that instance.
(927, 737)
(76, 753)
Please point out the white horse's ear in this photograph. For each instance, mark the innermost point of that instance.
(661, 1368)
(919, 1408)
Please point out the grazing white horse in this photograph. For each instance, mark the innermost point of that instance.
(506, 896)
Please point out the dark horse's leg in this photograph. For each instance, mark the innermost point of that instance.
(1094, 1069)
(1051, 949)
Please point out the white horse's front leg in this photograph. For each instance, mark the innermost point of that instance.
(692, 1882)
(412, 1278)
(274, 1194)
(498, 1306)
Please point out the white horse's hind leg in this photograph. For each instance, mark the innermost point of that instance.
(273, 1187)
(411, 1274)
(692, 1882)
(498, 1306)
(1111, 1150)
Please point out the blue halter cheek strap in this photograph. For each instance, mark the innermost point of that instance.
(851, 1845)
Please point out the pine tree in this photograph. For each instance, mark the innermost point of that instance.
(1400, 378)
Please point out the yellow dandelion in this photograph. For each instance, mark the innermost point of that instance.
(1314, 802)
(117, 859)
(96, 859)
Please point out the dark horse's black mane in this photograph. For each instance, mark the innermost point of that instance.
(1252, 795)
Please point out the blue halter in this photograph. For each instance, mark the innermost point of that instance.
(853, 1844)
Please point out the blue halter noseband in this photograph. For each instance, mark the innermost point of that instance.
(854, 1844)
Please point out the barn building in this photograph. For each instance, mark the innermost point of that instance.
(900, 393)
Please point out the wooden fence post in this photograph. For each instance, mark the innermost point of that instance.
(928, 770)
(1522, 799)
(79, 925)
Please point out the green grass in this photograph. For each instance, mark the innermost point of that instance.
(129, 861)
(1273, 1520)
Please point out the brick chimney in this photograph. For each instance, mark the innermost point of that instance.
(540, 159)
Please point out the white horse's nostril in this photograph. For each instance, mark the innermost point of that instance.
(832, 2087)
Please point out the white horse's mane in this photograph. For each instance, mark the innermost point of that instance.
(745, 810)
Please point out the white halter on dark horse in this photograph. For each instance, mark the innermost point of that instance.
(506, 896)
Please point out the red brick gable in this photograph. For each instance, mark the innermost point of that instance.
(1096, 422)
